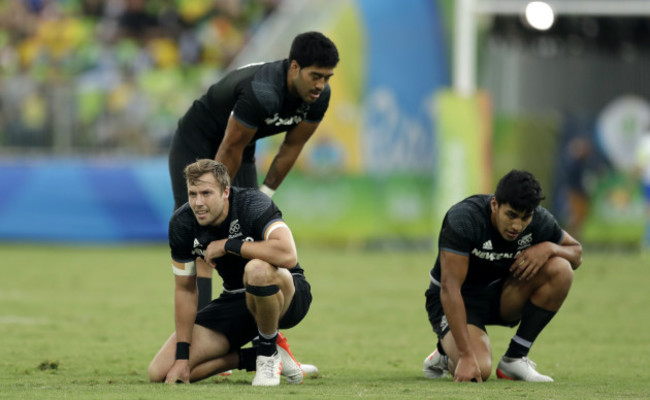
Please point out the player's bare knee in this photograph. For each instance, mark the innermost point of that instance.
(486, 369)
(485, 374)
(559, 270)
(156, 374)
(258, 273)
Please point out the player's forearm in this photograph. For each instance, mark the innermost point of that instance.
(275, 252)
(185, 303)
(281, 165)
(454, 307)
(570, 252)
(231, 158)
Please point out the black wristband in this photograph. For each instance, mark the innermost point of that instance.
(182, 351)
(233, 246)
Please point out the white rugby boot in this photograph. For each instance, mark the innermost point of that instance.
(520, 369)
(290, 367)
(309, 369)
(435, 365)
(268, 370)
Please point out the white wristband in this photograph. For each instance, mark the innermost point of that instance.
(267, 190)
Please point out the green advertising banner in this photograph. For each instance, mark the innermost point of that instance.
(464, 145)
(388, 210)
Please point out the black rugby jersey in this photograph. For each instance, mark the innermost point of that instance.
(250, 213)
(467, 230)
(258, 96)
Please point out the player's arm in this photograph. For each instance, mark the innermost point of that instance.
(569, 249)
(294, 141)
(454, 269)
(278, 247)
(231, 149)
(185, 303)
(529, 262)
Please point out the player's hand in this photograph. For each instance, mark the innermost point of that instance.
(528, 262)
(467, 370)
(179, 372)
(215, 250)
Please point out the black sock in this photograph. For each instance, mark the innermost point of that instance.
(205, 291)
(267, 346)
(533, 320)
(440, 349)
(247, 358)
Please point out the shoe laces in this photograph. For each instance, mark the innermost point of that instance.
(529, 362)
(267, 367)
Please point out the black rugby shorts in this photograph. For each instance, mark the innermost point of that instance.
(229, 315)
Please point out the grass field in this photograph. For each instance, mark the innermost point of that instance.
(84, 322)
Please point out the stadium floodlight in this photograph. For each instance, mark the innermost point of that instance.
(466, 26)
(539, 15)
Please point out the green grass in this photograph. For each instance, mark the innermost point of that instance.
(84, 322)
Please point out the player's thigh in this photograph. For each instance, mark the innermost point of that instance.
(163, 360)
(229, 315)
(549, 286)
(206, 345)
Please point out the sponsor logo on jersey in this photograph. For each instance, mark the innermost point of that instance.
(277, 121)
(299, 116)
(198, 248)
(525, 241)
(443, 323)
(491, 256)
(234, 230)
(487, 245)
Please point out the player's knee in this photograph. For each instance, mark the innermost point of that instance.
(156, 374)
(258, 273)
(559, 270)
(485, 366)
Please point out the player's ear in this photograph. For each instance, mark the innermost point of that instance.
(294, 66)
(226, 192)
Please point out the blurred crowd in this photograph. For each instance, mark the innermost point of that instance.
(112, 75)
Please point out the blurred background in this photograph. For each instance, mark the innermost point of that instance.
(433, 100)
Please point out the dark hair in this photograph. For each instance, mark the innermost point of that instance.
(520, 189)
(313, 48)
(197, 169)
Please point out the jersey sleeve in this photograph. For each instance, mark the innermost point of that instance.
(256, 211)
(260, 212)
(459, 231)
(248, 109)
(181, 239)
(317, 110)
(548, 228)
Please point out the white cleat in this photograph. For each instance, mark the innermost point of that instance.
(290, 367)
(268, 370)
(435, 366)
(309, 369)
(520, 369)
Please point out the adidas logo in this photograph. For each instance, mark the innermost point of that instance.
(487, 245)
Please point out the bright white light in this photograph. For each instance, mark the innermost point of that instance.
(540, 15)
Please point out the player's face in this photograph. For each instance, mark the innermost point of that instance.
(209, 203)
(509, 222)
(307, 83)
